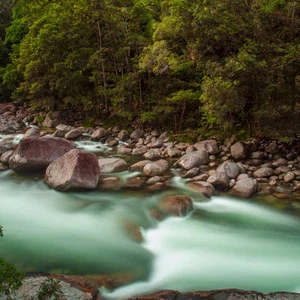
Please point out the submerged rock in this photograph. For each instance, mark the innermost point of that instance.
(75, 170)
(176, 205)
(36, 153)
(202, 187)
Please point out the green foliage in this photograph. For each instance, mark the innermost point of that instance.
(225, 66)
(50, 289)
(10, 277)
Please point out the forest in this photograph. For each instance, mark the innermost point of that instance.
(215, 67)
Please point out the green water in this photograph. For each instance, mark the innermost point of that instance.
(224, 243)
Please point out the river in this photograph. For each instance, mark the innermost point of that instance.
(224, 243)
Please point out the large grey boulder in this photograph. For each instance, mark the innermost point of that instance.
(193, 159)
(176, 205)
(238, 151)
(244, 188)
(231, 168)
(210, 146)
(74, 170)
(36, 153)
(156, 168)
(219, 180)
(112, 165)
(74, 134)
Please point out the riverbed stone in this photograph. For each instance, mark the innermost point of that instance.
(109, 183)
(244, 188)
(191, 173)
(124, 150)
(123, 135)
(173, 152)
(98, 134)
(238, 151)
(193, 159)
(74, 170)
(156, 144)
(202, 187)
(231, 169)
(74, 134)
(139, 150)
(219, 180)
(176, 205)
(289, 177)
(210, 146)
(136, 134)
(263, 172)
(9, 124)
(32, 131)
(6, 144)
(112, 165)
(156, 168)
(139, 166)
(154, 153)
(5, 156)
(36, 153)
(280, 162)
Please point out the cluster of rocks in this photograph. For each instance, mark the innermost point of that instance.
(239, 168)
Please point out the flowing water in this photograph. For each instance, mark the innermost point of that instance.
(223, 243)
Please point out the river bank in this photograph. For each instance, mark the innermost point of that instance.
(147, 192)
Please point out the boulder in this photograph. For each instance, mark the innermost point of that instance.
(138, 133)
(154, 153)
(51, 120)
(193, 159)
(210, 146)
(124, 150)
(219, 180)
(238, 151)
(98, 134)
(75, 170)
(74, 134)
(123, 135)
(173, 152)
(5, 156)
(156, 144)
(6, 144)
(244, 188)
(231, 168)
(156, 168)
(176, 205)
(140, 150)
(36, 153)
(263, 172)
(112, 165)
(202, 187)
(280, 162)
(32, 131)
(139, 166)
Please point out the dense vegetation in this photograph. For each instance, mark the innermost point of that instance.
(230, 66)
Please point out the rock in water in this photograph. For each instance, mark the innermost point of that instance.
(244, 188)
(37, 153)
(112, 165)
(156, 168)
(75, 170)
(9, 124)
(176, 205)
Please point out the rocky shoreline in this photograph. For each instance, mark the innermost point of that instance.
(208, 167)
(266, 167)
(78, 288)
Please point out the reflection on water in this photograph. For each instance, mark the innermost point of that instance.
(224, 243)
